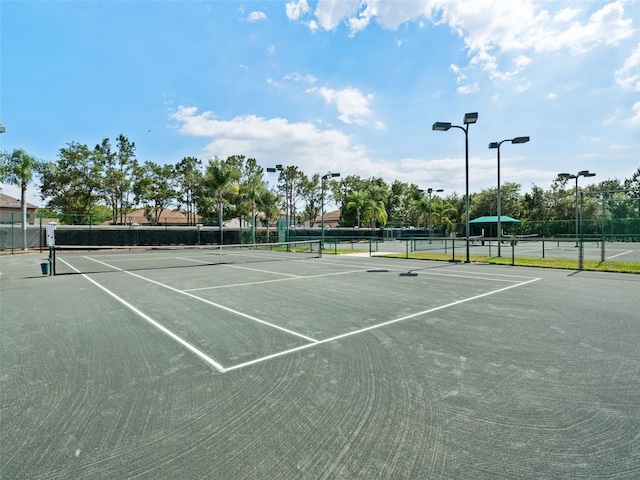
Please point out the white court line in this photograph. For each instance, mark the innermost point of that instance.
(157, 325)
(97, 261)
(313, 343)
(373, 327)
(236, 266)
(272, 281)
(222, 307)
(623, 253)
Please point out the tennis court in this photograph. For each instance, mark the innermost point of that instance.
(294, 366)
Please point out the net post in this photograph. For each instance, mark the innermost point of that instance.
(52, 260)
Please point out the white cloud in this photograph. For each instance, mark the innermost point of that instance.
(351, 103)
(295, 10)
(566, 15)
(635, 120)
(516, 25)
(271, 49)
(552, 96)
(466, 89)
(628, 76)
(274, 140)
(331, 13)
(293, 77)
(256, 16)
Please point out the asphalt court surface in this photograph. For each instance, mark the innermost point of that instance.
(340, 367)
(293, 304)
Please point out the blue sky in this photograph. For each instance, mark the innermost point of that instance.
(347, 86)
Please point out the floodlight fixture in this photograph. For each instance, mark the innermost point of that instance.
(470, 118)
(441, 126)
(520, 140)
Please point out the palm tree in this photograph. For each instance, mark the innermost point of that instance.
(267, 203)
(221, 180)
(442, 213)
(19, 169)
(374, 210)
(357, 199)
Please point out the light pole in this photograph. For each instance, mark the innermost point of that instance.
(497, 145)
(569, 176)
(324, 178)
(469, 118)
(430, 191)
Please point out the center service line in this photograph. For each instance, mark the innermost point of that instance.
(222, 307)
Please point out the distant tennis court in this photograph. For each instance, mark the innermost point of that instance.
(281, 363)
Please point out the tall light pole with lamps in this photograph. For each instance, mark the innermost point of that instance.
(497, 145)
(569, 176)
(324, 178)
(469, 118)
(430, 191)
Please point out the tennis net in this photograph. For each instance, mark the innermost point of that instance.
(74, 259)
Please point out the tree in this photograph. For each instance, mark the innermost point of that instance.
(535, 205)
(153, 187)
(220, 180)
(20, 170)
(289, 185)
(357, 200)
(311, 192)
(374, 209)
(442, 212)
(267, 201)
(119, 168)
(72, 184)
(188, 178)
(250, 184)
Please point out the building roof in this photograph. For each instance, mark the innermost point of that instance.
(167, 217)
(9, 202)
(494, 219)
(329, 217)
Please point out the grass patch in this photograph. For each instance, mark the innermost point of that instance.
(591, 265)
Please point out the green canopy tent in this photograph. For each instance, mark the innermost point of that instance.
(490, 225)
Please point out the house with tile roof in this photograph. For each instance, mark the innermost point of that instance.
(10, 211)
